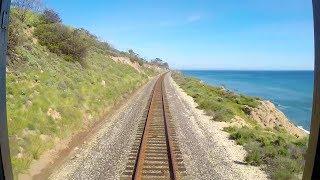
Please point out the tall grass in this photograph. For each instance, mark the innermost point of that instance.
(221, 104)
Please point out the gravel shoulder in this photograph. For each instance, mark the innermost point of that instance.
(207, 150)
(104, 156)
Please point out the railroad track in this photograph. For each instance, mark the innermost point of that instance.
(155, 153)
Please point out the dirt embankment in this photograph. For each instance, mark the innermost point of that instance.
(127, 61)
(268, 116)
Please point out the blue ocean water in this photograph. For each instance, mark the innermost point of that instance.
(290, 91)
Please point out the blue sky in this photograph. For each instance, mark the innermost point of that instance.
(202, 34)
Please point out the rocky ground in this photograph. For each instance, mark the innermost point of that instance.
(207, 151)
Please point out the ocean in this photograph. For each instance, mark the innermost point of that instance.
(290, 91)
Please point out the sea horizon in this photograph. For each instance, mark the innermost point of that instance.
(278, 86)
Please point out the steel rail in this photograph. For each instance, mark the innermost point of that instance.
(155, 153)
(157, 104)
(171, 155)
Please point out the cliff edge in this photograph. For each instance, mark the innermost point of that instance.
(269, 116)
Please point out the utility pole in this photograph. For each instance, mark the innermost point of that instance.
(312, 167)
(5, 165)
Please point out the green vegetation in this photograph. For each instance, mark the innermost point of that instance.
(280, 154)
(62, 40)
(50, 93)
(50, 16)
(159, 62)
(219, 103)
(16, 36)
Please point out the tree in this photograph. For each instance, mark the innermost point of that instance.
(27, 5)
(161, 63)
(132, 53)
(50, 16)
(63, 41)
(31, 5)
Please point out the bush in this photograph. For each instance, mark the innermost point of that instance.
(243, 135)
(62, 40)
(15, 34)
(282, 153)
(26, 6)
(286, 168)
(50, 16)
(255, 155)
(31, 5)
(16, 37)
(246, 100)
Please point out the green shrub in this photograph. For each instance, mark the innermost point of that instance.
(217, 102)
(246, 100)
(282, 153)
(27, 9)
(16, 37)
(62, 40)
(301, 142)
(222, 115)
(50, 16)
(243, 135)
(286, 168)
(255, 156)
(270, 152)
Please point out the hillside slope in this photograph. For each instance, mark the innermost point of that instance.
(49, 98)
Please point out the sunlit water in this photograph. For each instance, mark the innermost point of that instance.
(290, 91)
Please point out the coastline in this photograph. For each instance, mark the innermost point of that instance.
(306, 131)
(279, 87)
(272, 142)
(280, 117)
(270, 116)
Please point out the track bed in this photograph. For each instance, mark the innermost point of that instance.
(155, 153)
